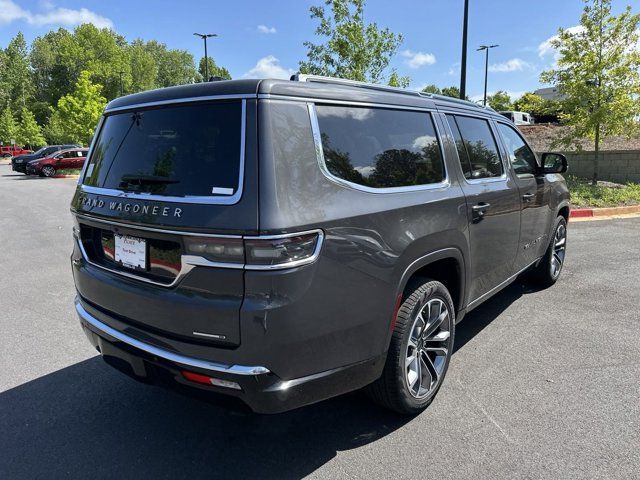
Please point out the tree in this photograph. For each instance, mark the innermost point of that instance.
(17, 76)
(29, 132)
(78, 113)
(143, 67)
(214, 70)
(453, 92)
(598, 74)
(8, 126)
(352, 48)
(432, 89)
(500, 101)
(538, 106)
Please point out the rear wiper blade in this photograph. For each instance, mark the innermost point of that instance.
(146, 180)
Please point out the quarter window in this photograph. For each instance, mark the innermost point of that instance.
(522, 158)
(476, 147)
(380, 148)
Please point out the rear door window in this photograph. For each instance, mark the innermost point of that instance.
(380, 148)
(181, 151)
(477, 148)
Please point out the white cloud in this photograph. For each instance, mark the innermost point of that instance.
(418, 59)
(269, 67)
(265, 29)
(546, 47)
(454, 69)
(10, 12)
(513, 65)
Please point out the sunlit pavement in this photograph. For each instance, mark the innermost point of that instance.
(544, 384)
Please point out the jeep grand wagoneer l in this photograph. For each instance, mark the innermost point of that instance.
(288, 241)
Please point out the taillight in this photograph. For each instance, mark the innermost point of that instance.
(281, 251)
(216, 249)
(258, 253)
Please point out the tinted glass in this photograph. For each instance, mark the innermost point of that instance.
(462, 151)
(523, 160)
(191, 150)
(480, 148)
(380, 148)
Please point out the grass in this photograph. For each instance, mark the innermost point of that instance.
(68, 171)
(583, 194)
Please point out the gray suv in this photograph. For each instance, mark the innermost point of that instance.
(288, 241)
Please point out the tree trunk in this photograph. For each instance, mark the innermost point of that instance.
(594, 180)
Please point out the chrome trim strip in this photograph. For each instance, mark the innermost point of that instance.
(188, 262)
(166, 354)
(173, 101)
(474, 303)
(210, 200)
(317, 139)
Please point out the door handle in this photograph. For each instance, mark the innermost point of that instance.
(528, 196)
(479, 210)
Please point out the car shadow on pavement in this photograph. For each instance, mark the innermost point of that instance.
(87, 420)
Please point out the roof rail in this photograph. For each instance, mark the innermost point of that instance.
(300, 77)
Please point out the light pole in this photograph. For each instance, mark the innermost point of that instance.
(486, 49)
(463, 62)
(204, 37)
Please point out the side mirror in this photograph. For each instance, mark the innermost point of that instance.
(554, 163)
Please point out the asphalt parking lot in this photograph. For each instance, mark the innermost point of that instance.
(543, 384)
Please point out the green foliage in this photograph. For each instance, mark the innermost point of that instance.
(453, 92)
(352, 48)
(78, 113)
(585, 194)
(432, 89)
(598, 73)
(537, 106)
(29, 132)
(214, 70)
(16, 75)
(8, 126)
(500, 101)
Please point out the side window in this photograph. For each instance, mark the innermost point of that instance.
(476, 146)
(380, 148)
(522, 159)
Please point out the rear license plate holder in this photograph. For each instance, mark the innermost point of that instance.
(130, 252)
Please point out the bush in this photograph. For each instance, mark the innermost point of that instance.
(583, 194)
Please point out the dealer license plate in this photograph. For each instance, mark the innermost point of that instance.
(131, 251)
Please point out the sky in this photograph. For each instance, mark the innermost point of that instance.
(265, 38)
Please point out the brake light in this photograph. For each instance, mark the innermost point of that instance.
(206, 380)
(278, 251)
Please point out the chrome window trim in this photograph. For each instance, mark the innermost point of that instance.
(195, 199)
(85, 316)
(188, 262)
(317, 140)
(476, 181)
(172, 101)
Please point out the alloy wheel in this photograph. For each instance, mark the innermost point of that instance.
(48, 171)
(428, 348)
(559, 250)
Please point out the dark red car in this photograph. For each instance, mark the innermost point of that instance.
(70, 159)
(13, 151)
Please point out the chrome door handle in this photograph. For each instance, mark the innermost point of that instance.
(480, 207)
(528, 196)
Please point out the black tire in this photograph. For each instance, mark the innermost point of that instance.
(48, 171)
(392, 390)
(544, 274)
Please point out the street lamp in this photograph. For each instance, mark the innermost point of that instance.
(204, 37)
(463, 62)
(486, 49)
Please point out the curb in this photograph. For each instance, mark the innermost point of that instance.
(603, 212)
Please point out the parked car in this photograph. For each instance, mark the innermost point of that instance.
(70, 159)
(519, 118)
(7, 151)
(19, 163)
(284, 242)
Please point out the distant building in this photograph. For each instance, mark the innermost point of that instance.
(549, 93)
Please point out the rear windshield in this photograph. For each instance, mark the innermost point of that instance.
(182, 151)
